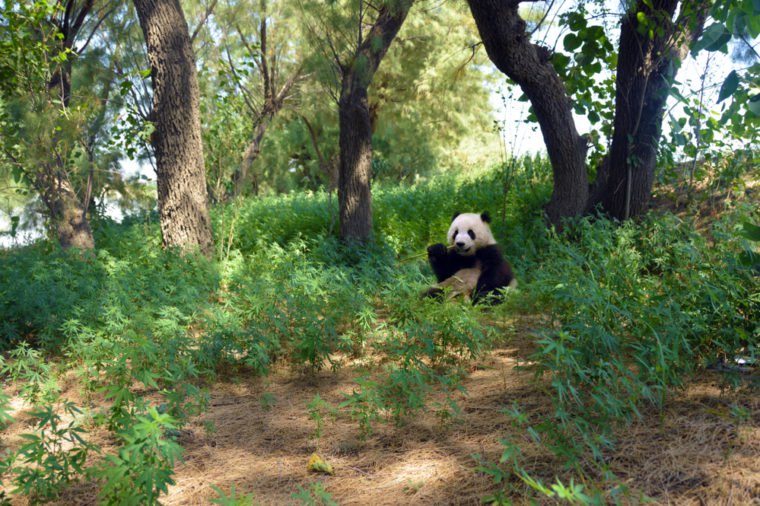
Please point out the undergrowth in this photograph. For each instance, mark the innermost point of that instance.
(634, 309)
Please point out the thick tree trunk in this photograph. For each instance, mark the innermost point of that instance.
(646, 69)
(509, 47)
(355, 169)
(355, 172)
(181, 176)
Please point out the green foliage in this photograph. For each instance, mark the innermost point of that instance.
(634, 310)
(142, 469)
(231, 499)
(638, 308)
(54, 456)
(315, 495)
(319, 408)
(27, 367)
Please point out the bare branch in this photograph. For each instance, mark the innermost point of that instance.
(244, 92)
(203, 20)
(268, 84)
(95, 28)
(288, 85)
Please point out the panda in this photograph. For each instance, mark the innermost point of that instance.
(472, 265)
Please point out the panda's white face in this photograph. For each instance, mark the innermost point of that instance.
(469, 232)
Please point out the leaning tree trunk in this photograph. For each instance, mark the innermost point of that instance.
(509, 48)
(182, 193)
(355, 170)
(646, 68)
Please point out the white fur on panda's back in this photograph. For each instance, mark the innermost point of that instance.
(470, 221)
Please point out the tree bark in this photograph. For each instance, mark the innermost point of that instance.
(252, 152)
(70, 219)
(509, 48)
(646, 68)
(67, 215)
(355, 170)
(181, 176)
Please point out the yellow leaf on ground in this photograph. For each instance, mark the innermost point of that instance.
(318, 465)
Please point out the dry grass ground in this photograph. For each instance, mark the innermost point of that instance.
(258, 437)
(694, 452)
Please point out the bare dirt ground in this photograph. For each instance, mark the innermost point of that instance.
(258, 437)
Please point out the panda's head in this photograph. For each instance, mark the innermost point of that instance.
(469, 232)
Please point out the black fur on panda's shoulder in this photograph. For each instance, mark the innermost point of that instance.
(495, 271)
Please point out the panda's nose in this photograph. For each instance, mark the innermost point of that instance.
(460, 244)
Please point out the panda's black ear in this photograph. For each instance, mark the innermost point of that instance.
(485, 217)
(455, 215)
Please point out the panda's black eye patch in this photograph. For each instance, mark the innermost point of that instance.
(456, 231)
(471, 234)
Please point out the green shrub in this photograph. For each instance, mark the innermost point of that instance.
(53, 456)
(142, 469)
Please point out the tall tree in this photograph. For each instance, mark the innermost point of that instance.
(647, 66)
(52, 124)
(274, 85)
(652, 44)
(180, 171)
(355, 170)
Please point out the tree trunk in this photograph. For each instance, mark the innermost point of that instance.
(252, 152)
(646, 69)
(355, 170)
(67, 215)
(67, 212)
(181, 176)
(509, 48)
(70, 219)
(355, 173)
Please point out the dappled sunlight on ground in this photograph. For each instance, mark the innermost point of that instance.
(692, 452)
(257, 436)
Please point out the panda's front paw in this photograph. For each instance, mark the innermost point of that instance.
(437, 250)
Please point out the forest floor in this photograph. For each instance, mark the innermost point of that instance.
(257, 436)
(693, 452)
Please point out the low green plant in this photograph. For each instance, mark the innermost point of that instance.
(52, 456)
(319, 409)
(364, 405)
(315, 495)
(142, 468)
(5, 410)
(267, 400)
(28, 368)
(231, 499)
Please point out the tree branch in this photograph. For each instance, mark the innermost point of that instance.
(203, 20)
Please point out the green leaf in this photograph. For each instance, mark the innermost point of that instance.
(572, 42)
(751, 232)
(729, 86)
(754, 104)
(715, 37)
